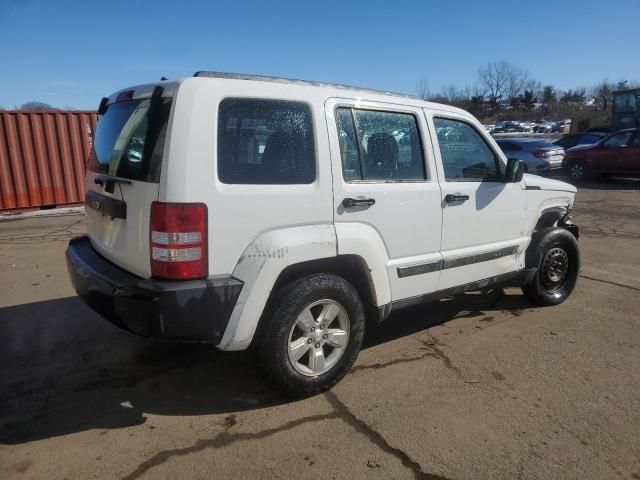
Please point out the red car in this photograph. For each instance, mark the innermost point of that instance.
(617, 154)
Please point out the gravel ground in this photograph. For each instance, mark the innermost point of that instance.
(482, 386)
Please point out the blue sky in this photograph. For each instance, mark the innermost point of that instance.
(70, 53)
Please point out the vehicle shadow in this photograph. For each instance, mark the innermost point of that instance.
(65, 370)
(610, 184)
(601, 183)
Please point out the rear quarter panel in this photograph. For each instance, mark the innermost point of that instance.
(239, 214)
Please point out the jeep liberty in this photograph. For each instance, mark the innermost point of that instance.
(286, 215)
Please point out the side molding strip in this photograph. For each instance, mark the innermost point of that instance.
(517, 278)
(480, 257)
(419, 269)
(455, 262)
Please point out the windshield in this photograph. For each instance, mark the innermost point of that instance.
(625, 103)
(130, 140)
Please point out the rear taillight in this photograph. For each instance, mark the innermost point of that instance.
(541, 153)
(179, 240)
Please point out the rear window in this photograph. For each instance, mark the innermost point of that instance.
(509, 147)
(130, 140)
(265, 142)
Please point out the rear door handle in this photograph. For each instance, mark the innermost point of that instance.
(455, 198)
(357, 202)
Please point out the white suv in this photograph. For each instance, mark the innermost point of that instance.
(286, 215)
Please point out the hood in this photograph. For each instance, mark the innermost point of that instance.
(544, 183)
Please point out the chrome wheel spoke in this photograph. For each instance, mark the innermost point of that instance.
(329, 313)
(317, 362)
(337, 338)
(305, 320)
(298, 348)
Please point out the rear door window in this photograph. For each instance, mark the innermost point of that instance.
(379, 146)
(129, 139)
(265, 142)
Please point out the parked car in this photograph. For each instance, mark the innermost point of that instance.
(539, 156)
(616, 154)
(257, 216)
(489, 128)
(557, 127)
(526, 127)
(576, 139)
(542, 128)
(507, 126)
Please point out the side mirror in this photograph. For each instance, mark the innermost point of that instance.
(514, 171)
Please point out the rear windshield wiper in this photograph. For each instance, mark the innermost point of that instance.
(108, 181)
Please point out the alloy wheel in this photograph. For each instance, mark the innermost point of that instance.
(319, 337)
(577, 170)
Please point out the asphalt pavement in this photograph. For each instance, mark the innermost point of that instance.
(483, 386)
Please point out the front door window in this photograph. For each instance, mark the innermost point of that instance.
(466, 157)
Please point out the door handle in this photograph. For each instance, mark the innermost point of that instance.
(357, 202)
(455, 198)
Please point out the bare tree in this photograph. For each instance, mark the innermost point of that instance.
(472, 99)
(603, 89)
(516, 81)
(603, 93)
(500, 84)
(423, 90)
(623, 85)
(534, 86)
(494, 77)
(451, 93)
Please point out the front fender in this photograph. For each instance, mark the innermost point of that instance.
(547, 207)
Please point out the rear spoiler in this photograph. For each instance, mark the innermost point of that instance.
(129, 95)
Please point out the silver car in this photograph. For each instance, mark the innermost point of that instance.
(539, 156)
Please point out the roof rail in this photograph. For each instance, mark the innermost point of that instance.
(264, 78)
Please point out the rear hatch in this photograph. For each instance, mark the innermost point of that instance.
(123, 175)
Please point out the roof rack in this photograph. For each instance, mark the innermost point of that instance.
(264, 78)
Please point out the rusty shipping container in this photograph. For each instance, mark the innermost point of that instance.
(43, 156)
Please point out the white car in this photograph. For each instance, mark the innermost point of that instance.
(254, 214)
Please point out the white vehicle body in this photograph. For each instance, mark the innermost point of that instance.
(412, 243)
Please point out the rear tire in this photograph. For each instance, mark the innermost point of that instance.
(314, 335)
(554, 251)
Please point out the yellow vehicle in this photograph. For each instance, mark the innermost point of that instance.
(597, 119)
(624, 112)
(626, 109)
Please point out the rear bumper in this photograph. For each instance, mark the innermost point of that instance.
(545, 167)
(193, 310)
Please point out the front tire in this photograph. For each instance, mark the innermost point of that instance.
(578, 170)
(313, 336)
(555, 254)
